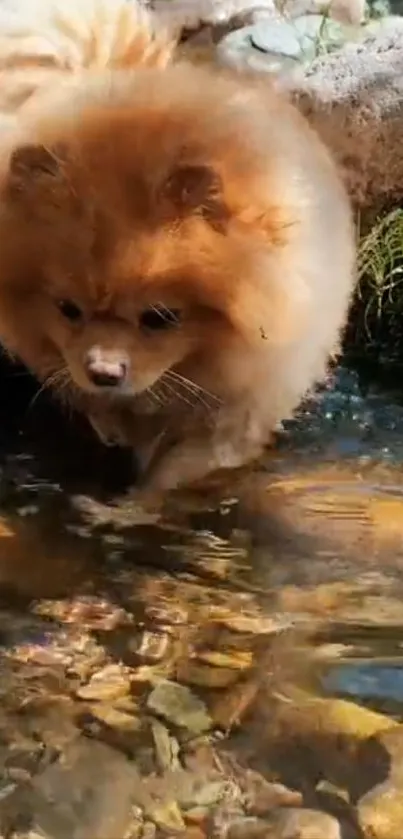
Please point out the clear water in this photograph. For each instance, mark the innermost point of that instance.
(311, 540)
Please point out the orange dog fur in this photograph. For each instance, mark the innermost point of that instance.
(176, 258)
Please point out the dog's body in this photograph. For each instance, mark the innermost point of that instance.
(176, 257)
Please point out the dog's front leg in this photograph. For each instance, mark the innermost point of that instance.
(228, 447)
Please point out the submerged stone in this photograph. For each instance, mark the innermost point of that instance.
(282, 45)
(167, 816)
(87, 793)
(105, 685)
(380, 812)
(196, 673)
(237, 660)
(177, 704)
(290, 823)
(166, 747)
(287, 823)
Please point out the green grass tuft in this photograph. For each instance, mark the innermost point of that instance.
(376, 322)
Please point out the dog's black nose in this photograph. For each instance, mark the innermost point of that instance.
(111, 377)
(106, 368)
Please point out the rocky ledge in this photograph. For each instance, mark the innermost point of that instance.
(343, 69)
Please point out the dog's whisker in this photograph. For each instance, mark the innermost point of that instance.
(65, 388)
(192, 385)
(155, 397)
(178, 394)
(187, 395)
(57, 380)
(164, 312)
(203, 397)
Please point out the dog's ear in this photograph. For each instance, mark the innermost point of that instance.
(31, 165)
(197, 189)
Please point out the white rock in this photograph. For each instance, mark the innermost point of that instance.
(188, 14)
(279, 45)
(354, 98)
(294, 823)
(345, 11)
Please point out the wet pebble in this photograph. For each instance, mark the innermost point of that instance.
(150, 675)
(88, 793)
(334, 718)
(237, 660)
(112, 682)
(228, 710)
(166, 747)
(334, 790)
(166, 815)
(198, 755)
(287, 823)
(115, 718)
(251, 624)
(148, 831)
(203, 794)
(167, 616)
(290, 823)
(177, 704)
(202, 675)
(141, 829)
(380, 810)
(195, 832)
(261, 795)
(151, 646)
(248, 828)
(388, 744)
(52, 719)
(89, 612)
(196, 816)
(311, 737)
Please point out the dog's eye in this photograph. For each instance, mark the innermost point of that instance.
(159, 317)
(69, 309)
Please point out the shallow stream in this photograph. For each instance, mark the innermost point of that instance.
(267, 598)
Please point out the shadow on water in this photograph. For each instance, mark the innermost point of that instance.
(274, 588)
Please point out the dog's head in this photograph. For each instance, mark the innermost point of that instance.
(138, 234)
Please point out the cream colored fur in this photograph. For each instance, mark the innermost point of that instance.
(45, 43)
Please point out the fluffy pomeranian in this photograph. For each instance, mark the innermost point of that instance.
(176, 259)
